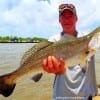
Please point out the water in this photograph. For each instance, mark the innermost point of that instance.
(26, 89)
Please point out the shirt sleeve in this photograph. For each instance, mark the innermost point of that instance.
(54, 38)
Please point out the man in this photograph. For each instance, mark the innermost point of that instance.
(72, 83)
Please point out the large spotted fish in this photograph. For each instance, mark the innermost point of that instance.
(74, 51)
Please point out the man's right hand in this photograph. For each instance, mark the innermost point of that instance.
(52, 65)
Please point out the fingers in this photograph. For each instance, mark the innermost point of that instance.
(61, 67)
(48, 65)
(55, 62)
(44, 64)
(62, 62)
(52, 65)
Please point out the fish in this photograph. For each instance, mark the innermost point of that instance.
(74, 51)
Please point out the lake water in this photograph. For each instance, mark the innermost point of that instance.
(26, 89)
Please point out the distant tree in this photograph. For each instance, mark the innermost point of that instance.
(37, 39)
(21, 39)
(14, 39)
(0, 39)
(7, 38)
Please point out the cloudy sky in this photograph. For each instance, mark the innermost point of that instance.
(29, 18)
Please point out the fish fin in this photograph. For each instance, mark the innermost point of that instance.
(37, 77)
(6, 89)
(95, 41)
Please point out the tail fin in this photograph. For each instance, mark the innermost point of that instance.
(6, 88)
(95, 41)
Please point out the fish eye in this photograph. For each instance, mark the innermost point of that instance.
(87, 52)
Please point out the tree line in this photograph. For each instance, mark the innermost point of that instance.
(15, 39)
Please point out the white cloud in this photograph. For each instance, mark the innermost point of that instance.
(39, 18)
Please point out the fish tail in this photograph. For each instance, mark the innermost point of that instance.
(6, 85)
(95, 40)
(95, 32)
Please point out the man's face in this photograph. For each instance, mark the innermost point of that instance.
(68, 20)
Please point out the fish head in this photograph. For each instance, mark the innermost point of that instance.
(85, 55)
(88, 54)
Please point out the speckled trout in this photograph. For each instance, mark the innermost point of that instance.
(74, 51)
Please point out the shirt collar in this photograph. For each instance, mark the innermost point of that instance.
(62, 33)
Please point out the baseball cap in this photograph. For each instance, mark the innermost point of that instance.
(70, 7)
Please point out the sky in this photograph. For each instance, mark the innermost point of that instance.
(39, 18)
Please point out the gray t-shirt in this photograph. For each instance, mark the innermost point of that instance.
(76, 83)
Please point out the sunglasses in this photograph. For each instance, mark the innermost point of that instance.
(71, 7)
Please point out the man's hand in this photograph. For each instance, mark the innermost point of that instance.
(52, 65)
